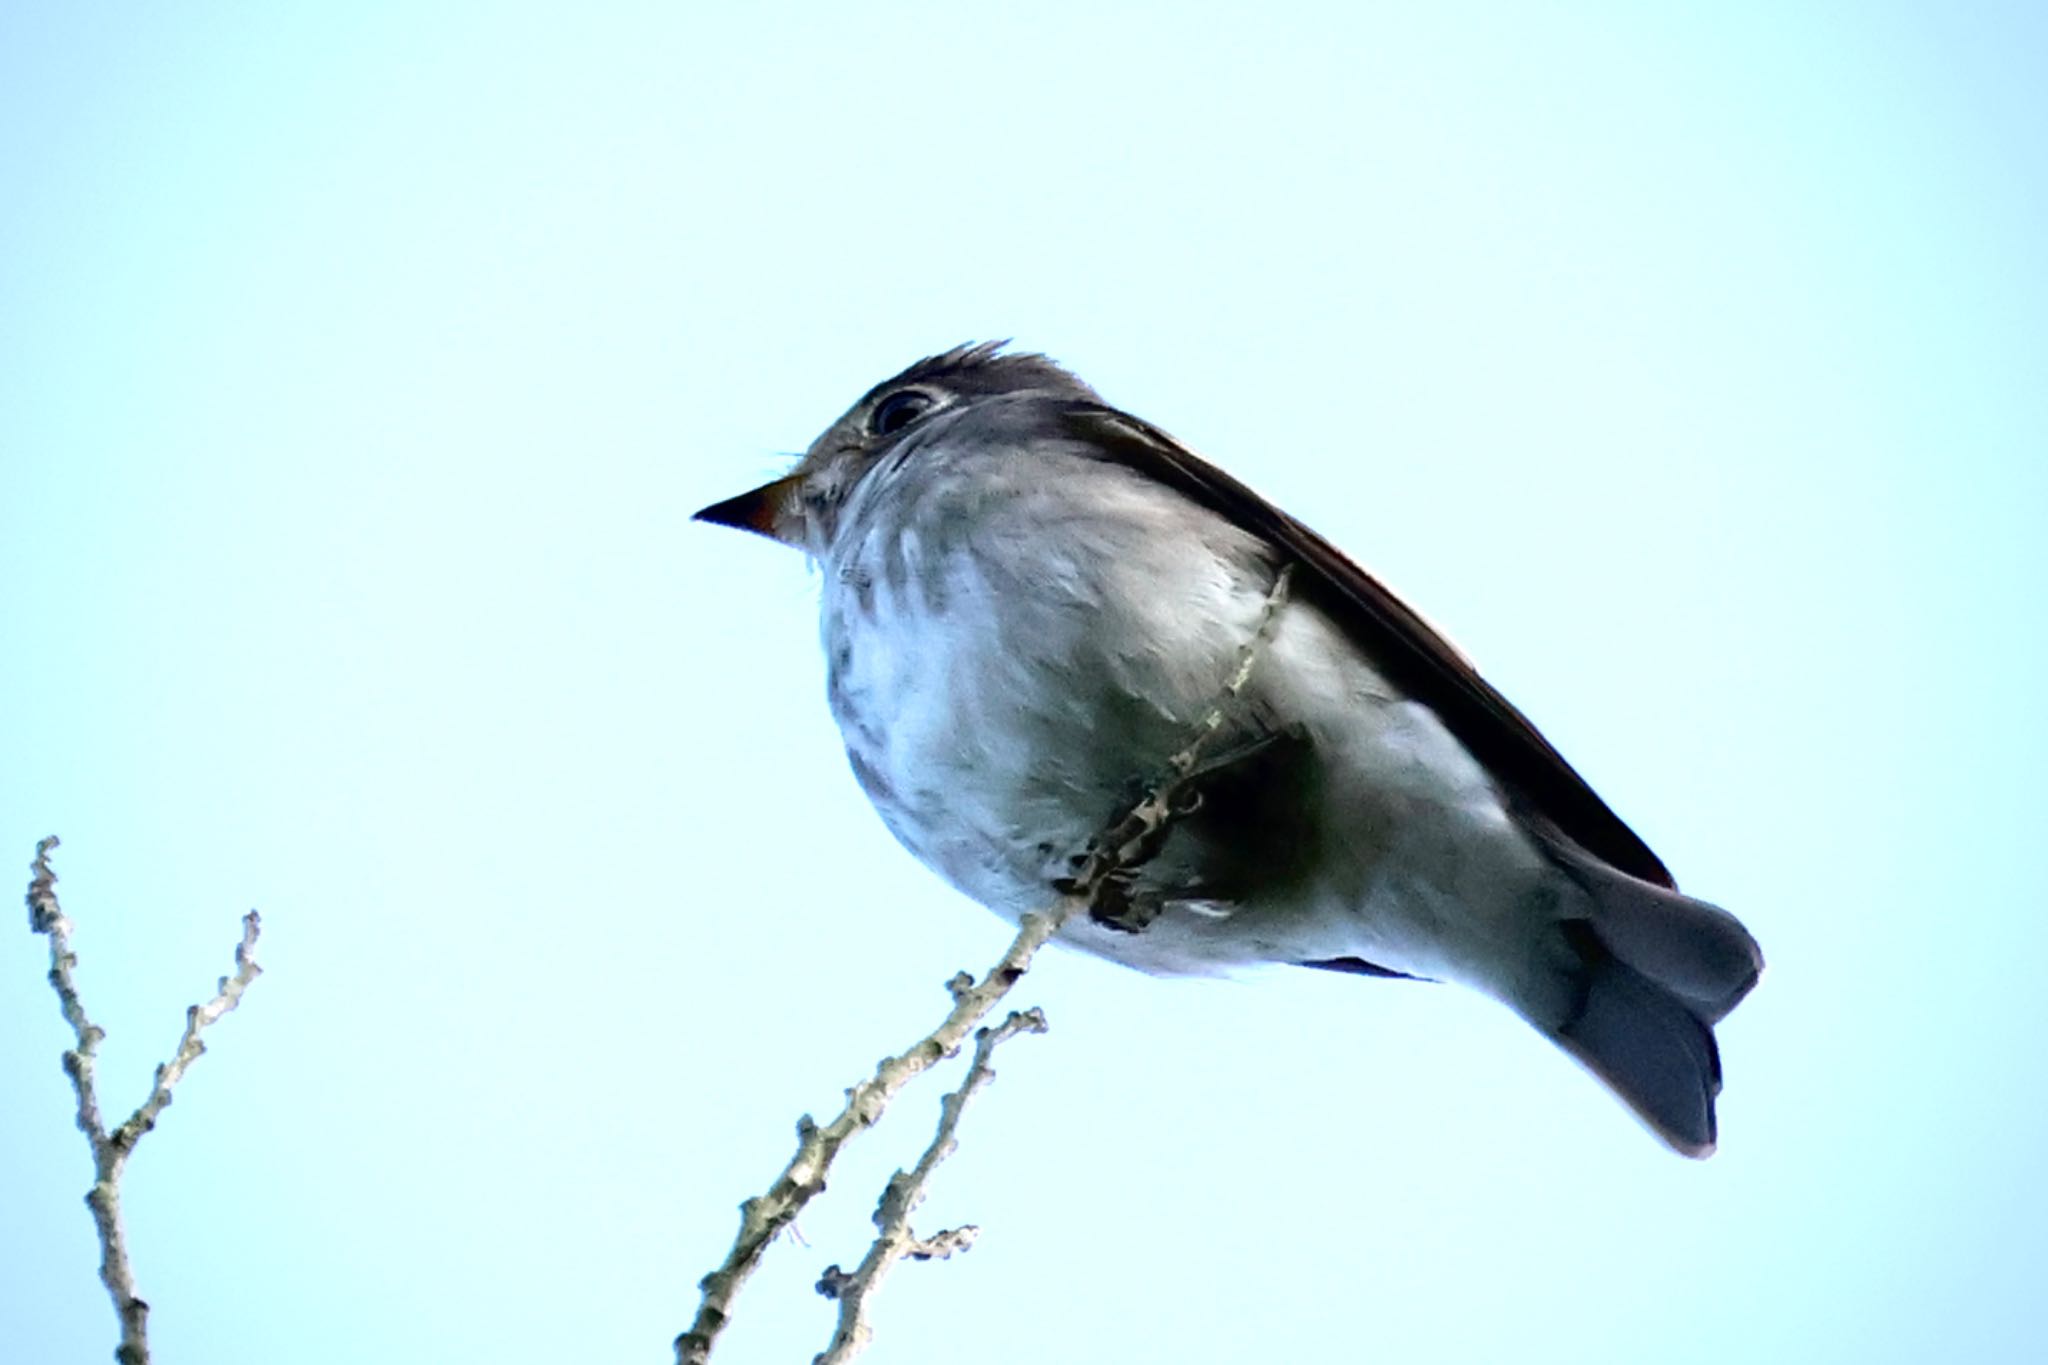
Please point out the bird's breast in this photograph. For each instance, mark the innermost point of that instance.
(1010, 674)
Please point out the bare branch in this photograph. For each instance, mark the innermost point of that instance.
(763, 1217)
(110, 1152)
(45, 916)
(190, 1047)
(905, 1191)
(1129, 842)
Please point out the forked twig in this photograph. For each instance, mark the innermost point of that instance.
(110, 1151)
(905, 1191)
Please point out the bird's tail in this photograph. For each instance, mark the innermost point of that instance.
(1637, 979)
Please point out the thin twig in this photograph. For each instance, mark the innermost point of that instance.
(1135, 839)
(764, 1216)
(1130, 841)
(110, 1151)
(900, 1198)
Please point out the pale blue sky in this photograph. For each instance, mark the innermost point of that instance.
(360, 366)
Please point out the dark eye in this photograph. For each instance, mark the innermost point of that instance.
(899, 410)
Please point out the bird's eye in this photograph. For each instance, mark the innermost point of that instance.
(899, 410)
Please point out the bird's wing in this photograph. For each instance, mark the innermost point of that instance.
(1534, 777)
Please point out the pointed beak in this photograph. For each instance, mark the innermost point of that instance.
(766, 511)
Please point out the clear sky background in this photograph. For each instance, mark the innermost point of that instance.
(360, 367)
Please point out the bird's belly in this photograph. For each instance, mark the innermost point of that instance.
(995, 750)
(980, 760)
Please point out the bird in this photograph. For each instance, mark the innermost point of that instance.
(1028, 598)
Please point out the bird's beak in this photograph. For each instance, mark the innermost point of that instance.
(769, 510)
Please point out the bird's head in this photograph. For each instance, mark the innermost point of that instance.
(801, 508)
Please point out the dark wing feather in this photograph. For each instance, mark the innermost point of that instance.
(1402, 646)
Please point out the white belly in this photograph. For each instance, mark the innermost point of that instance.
(978, 694)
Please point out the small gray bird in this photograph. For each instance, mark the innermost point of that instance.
(1030, 597)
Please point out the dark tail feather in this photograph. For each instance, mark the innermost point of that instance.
(1647, 974)
(1644, 1041)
